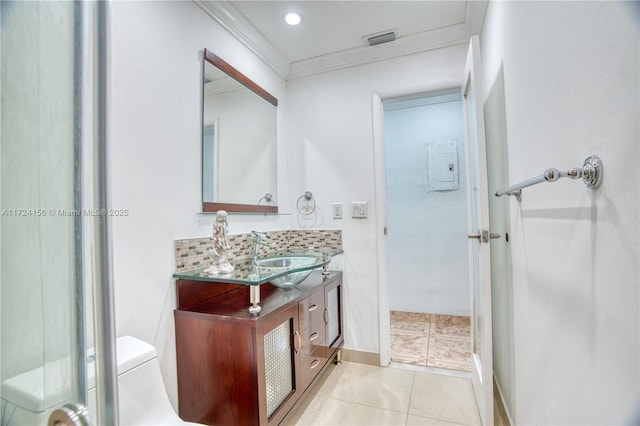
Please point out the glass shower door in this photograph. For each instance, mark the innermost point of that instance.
(46, 321)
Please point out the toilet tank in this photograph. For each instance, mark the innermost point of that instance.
(140, 385)
(130, 353)
(142, 398)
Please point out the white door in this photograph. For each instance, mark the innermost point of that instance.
(479, 235)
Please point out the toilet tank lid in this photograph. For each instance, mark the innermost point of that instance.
(132, 352)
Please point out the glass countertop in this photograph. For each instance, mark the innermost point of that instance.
(247, 273)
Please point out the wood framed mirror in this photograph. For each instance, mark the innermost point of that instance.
(239, 133)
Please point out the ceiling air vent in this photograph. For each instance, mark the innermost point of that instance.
(381, 37)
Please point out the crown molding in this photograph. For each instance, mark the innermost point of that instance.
(474, 16)
(407, 45)
(428, 40)
(231, 20)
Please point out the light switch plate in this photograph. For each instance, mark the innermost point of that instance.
(359, 209)
(337, 210)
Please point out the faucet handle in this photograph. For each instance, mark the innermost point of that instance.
(261, 238)
(259, 235)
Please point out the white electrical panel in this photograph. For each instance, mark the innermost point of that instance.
(442, 166)
(359, 209)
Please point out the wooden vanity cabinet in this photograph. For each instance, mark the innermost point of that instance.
(235, 368)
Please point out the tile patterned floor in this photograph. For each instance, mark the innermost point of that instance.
(359, 394)
(432, 340)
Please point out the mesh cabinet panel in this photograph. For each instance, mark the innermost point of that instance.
(278, 366)
(334, 315)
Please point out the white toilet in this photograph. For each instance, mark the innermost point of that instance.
(142, 397)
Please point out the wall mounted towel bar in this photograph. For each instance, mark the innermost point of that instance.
(590, 172)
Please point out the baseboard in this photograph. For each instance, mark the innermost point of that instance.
(360, 357)
(499, 404)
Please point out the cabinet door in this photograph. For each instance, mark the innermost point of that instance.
(278, 345)
(333, 314)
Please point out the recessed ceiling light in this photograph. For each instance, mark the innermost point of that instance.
(293, 18)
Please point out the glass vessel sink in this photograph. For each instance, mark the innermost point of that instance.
(279, 264)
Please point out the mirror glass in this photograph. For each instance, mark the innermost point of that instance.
(238, 141)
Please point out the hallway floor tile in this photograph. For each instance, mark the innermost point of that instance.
(433, 340)
(359, 394)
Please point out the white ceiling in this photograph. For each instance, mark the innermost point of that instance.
(331, 33)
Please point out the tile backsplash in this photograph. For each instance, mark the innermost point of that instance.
(194, 252)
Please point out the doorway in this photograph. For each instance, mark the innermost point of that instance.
(426, 205)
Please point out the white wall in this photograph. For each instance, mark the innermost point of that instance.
(155, 157)
(427, 244)
(330, 130)
(570, 90)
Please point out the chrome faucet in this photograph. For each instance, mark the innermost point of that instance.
(259, 239)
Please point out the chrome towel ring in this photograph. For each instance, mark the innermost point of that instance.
(306, 204)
